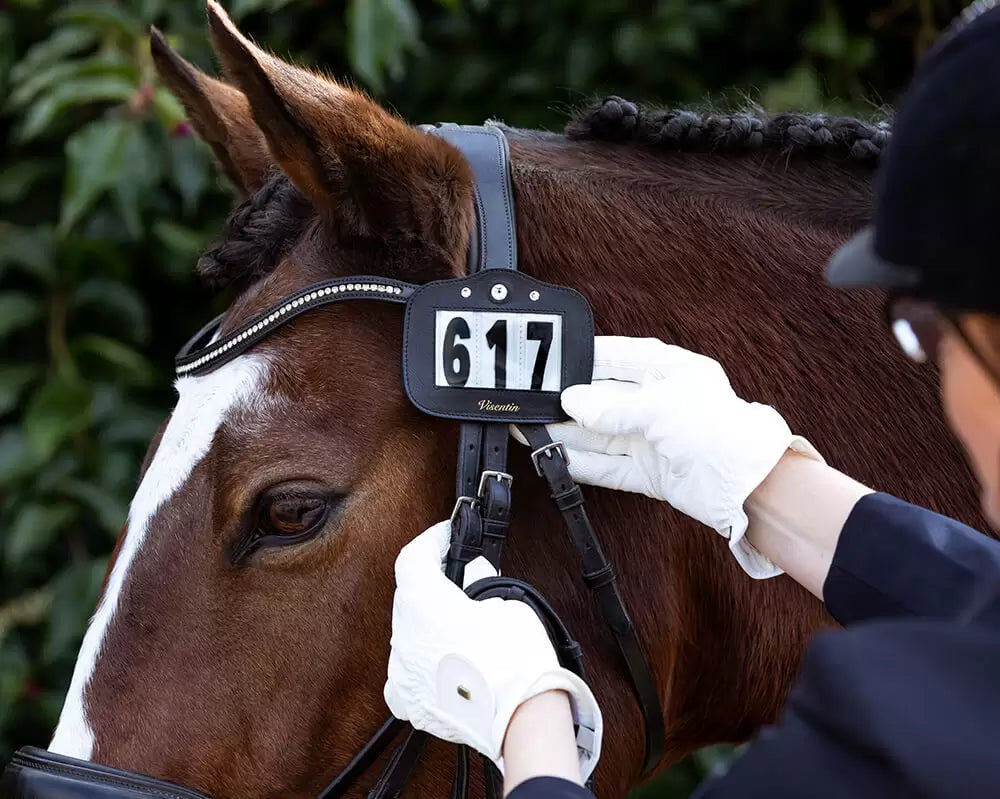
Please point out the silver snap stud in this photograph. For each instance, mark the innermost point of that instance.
(498, 292)
(534, 296)
(467, 292)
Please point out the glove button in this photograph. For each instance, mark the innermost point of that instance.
(465, 695)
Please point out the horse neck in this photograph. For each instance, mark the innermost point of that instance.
(700, 251)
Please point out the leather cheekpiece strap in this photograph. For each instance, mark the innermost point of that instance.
(599, 576)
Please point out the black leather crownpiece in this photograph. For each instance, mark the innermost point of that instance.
(37, 774)
(494, 240)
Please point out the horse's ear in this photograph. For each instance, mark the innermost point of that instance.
(219, 113)
(379, 176)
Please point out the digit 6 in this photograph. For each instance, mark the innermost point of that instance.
(456, 356)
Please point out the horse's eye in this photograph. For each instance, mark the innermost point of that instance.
(292, 516)
(288, 514)
(283, 515)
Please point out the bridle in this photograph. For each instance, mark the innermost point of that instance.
(481, 516)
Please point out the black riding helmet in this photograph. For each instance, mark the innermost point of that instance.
(936, 228)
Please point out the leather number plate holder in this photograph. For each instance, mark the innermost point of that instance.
(498, 346)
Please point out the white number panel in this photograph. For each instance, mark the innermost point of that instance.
(488, 349)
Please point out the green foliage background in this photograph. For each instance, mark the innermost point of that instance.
(106, 200)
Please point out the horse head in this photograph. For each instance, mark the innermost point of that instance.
(257, 556)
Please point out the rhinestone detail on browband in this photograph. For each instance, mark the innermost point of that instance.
(194, 359)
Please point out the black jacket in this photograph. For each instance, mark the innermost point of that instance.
(903, 703)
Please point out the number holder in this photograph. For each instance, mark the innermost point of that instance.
(461, 299)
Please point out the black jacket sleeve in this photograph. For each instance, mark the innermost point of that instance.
(897, 560)
(905, 706)
(549, 788)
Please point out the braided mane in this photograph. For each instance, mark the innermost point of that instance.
(263, 228)
(618, 120)
(258, 233)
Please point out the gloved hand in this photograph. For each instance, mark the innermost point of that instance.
(662, 421)
(459, 668)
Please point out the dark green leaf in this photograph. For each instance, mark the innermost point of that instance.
(828, 36)
(7, 51)
(125, 360)
(108, 508)
(14, 670)
(70, 93)
(797, 91)
(115, 299)
(55, 472)
(102, 15)
(17, 179)
(33, 530)
(94, 155)
(56, 411)
(168, 109)
(65, 41)
(138, 426)
(74, 596)
(18, 310)
(183, 245)
(16, 458)
(31, 250)
(139, 174)
(189, 169)
(104, 63)
(14, 379)
(380, 32)
(240, 8)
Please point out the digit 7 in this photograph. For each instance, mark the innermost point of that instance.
(542, 333)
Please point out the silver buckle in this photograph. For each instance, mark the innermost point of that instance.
(470, 501)
(498, 476)
(547, 452)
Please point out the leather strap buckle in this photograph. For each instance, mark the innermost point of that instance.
(500, 477)
(547, 451)
(472, 502)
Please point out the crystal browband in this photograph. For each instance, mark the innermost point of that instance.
(203, 354)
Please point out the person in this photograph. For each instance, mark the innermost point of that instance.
(905, 701)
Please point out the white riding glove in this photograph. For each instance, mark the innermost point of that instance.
(458, 668)
(662, 421)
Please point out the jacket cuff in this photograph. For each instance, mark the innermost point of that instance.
(549, 788)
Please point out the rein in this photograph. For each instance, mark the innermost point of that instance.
(481, 516)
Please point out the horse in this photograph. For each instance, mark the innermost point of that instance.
(240, 642)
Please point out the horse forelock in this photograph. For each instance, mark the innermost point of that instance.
(204, 404)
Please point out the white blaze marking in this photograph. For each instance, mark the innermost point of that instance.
(202, 405)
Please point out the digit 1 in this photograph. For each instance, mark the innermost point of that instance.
(496, 337)
(542, 333)
(452, 351)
